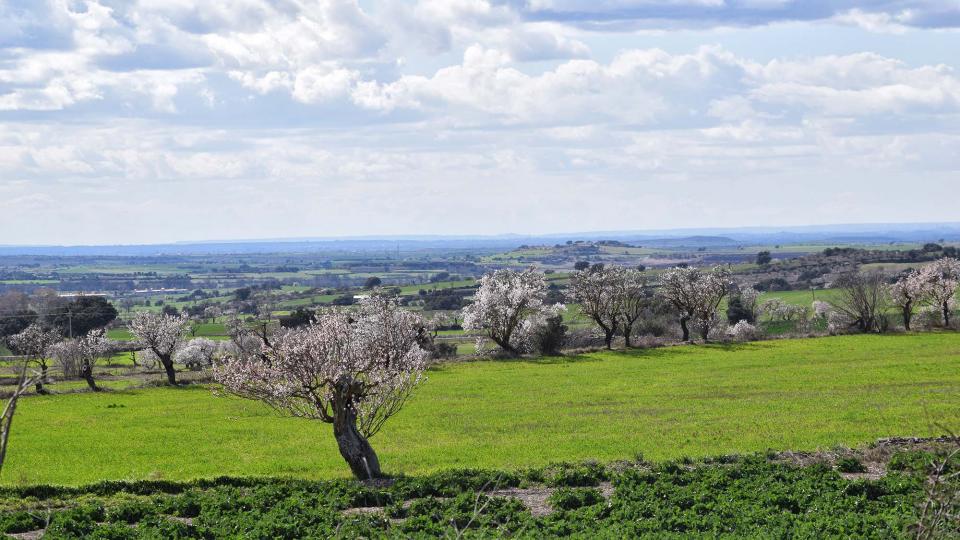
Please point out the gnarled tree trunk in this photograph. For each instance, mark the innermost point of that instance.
(684, 327)
(42, 379)
(354, 447)
(86, 371)
(505, 345)
(167, 361)
(946, 314)
(907, 315)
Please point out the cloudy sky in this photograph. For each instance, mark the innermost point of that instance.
(128, 121)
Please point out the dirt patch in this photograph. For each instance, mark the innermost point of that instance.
(535, 498)
(874, 457)
(29, 535)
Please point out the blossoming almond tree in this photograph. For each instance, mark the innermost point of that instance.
(696, 295)
(632, 298)
(81, 355)
(597, 290)
(906, 293)
(941, 279)
(510, 306)
(353, 369)
(161, 335)
(199, 353)
(35, 343)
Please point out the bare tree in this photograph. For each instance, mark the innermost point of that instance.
(35, 343)
(861, 298)
(351, 369)
(162, 335)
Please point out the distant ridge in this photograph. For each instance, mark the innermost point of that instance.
(819, 234)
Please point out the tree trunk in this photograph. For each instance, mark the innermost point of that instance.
(608, 338)
(354, 447)
(505, 345)
(167, 362)
(946, 314)
(626, 338)
(907, 316)
(705, 332)
(86, 371)
(43, 378)
(683, 326)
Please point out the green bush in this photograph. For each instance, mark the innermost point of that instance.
(18, 522)
(572, 498)
(587, 474)
(850, 465)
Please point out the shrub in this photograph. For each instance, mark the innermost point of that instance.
(850, 464)
(587, 474)
(743, 331)
(550, 338)
(572, 498)
(18, 522)
(737, 312)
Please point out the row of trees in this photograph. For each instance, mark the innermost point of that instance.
(865, 296)
(510, 307)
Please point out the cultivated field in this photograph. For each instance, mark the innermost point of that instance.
(662, 403)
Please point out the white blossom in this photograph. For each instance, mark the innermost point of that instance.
(696, 295)
(162, 335)
(941, 279)
(743, 331)
(199, 353)
(509, 307)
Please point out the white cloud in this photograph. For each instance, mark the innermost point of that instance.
(394, 109)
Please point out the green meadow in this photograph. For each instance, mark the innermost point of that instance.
(661, 403)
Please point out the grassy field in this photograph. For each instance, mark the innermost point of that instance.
(664, 403)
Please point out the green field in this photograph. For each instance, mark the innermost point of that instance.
(664, 403)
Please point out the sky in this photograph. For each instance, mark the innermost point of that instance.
(145, 121)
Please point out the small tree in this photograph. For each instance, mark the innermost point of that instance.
(550, 337)
(77, 357)
(212, 312)
(744, 306)
(35, 343)
(860, 299)
(597, 292)
(509, 307)
(372, 281)
(764, 258)
(351, 369)
(198, 353)
(941, 279)
(632, 298)
(162, 335)
(696, 295)
(907, 293)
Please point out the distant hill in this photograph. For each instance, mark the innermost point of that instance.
(820, 234)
